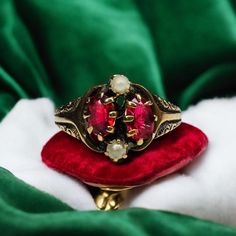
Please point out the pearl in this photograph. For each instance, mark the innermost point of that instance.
(120, 84)
(116, 150)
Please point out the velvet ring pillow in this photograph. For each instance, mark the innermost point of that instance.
(163, 156)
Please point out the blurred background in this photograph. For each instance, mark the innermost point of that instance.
(182, 50)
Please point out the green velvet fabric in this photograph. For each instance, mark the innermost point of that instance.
(182, 50)
(26, 211)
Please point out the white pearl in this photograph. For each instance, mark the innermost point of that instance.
(116, 150)
(120, 84)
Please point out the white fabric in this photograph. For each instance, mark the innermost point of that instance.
(205, 189)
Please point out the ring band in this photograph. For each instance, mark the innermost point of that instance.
(117, 117)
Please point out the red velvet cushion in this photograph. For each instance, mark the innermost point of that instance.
(164, 156)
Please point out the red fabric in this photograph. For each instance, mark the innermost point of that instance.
(164, 156)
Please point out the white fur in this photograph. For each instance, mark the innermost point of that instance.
(206, 188)
(23, 133)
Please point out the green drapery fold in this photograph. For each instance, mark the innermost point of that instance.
(181, 50)
(184, 51)
(27, 211)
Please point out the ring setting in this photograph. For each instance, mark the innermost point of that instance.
(118, 117)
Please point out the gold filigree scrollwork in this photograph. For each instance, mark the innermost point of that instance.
(67, 107)
(168, 106)
(167, 126)
(69, 129)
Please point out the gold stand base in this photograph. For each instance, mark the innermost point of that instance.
(108, 200)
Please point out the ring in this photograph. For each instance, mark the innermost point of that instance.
(117, 117)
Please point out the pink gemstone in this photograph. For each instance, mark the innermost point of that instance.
(143, 119)
(99, 116)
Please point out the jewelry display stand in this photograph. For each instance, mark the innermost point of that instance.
(162, 157)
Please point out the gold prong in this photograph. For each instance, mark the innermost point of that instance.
(100, 138)
(132, 132)
(86, 116)
(125, 156)
(106, 153)
(138, 96)
(140, 142)
(130, 104)
(90, 129)
(109, 100)
(110, 129)
(88, 100)
(126, 145)
(155, 118)
(128, 118)
(113, 114)
(101, 94)
(148, 103)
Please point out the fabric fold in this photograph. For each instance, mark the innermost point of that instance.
(26, 211)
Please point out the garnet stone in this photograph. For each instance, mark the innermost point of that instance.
(143, 121)
(98, 116)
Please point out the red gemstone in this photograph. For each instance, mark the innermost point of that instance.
(99, 116)
(143, 119)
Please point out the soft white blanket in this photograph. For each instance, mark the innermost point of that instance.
(206, 188)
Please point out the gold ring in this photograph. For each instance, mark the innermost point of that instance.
(117, 117)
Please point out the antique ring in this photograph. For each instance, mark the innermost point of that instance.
(117, 117)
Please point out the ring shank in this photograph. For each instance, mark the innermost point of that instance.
(170, 116)
(64, 118)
